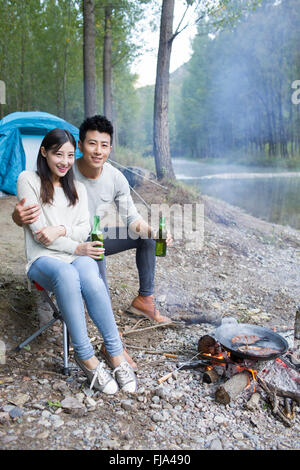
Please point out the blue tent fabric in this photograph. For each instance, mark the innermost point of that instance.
(12, 155)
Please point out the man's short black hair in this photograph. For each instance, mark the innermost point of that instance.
(96, 123)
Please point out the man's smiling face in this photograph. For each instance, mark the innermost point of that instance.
(95, 149)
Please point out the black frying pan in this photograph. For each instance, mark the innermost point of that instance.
(267, 339)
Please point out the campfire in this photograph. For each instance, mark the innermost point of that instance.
(255, 359)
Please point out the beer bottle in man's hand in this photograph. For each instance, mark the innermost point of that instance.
(161, 245)
(96, 233)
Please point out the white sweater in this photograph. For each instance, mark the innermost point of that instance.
(74, 218)
(110, 188)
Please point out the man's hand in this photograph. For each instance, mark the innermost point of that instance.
(24, 215)
(169, 239)
(144, 230)
(48, 235)
(91, 249)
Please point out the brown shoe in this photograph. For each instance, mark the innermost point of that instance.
(145, 307)
(106, 357)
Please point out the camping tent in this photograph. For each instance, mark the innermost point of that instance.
(21, 134)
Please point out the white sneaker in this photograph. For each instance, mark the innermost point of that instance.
(99, 378)
(125, 376)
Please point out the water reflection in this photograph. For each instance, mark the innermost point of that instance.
(270, 195)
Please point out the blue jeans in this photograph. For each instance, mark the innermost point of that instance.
(72, 283)
(116, 240)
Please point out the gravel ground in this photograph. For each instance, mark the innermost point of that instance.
(247, 269)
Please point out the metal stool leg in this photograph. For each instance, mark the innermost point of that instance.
(37, 333)
(56, 316)
(66, 348)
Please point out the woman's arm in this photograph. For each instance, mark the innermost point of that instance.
(81, 229)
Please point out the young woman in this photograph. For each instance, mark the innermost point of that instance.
(61, 261)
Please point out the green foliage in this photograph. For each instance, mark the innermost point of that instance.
(131, 157)
(41, 59)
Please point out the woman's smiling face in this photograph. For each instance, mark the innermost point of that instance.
(59, 161)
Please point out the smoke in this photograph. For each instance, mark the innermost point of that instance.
(253, 71)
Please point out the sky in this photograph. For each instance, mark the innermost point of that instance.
(145, 66)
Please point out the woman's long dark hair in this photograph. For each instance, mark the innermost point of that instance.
(53, 140)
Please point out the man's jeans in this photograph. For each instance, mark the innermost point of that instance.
(71, 283)
(117, 240)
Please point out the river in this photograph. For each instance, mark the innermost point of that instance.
(267, 193)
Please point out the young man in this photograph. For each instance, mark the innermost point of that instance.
(105, 184)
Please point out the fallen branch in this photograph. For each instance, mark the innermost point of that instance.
(133, 330)
(41, 371)
(280, 392)
(137, 323)
(271, 393)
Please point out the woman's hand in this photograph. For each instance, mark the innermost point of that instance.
(48, 235)
(91, 249)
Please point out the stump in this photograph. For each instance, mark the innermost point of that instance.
(233, 387)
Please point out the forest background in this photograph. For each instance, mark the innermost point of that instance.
(237, 99)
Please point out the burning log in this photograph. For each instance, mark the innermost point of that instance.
(208, 345)
(233, 387)
(210, 376)
(289, 408)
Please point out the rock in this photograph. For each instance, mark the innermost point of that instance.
(110, 444)
(160, 417)
(216, 444)
(128, 405)
(90, 402)
(238, 435)
(4, 417)
(219, 419)
(71, 403)
(57, 421)
(60, 386)
(8, 439)
(253, 403)
(7, 408)
(43, 435)
(43, 381)
(155, 399)
(15, 412)
(38, 406)
(20, 399)
(44, 422)
(162, 392)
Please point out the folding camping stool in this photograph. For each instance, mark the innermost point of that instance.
(56, 316)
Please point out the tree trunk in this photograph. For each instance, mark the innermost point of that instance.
(161, 144)
(107, 65)
(66, 64)
(22, 70)
(90, 95)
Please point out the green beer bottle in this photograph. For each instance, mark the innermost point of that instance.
(161, 245)
(96, 233)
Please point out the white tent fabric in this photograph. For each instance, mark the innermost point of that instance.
(31, 145)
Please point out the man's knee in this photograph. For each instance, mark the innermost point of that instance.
(147, 243)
